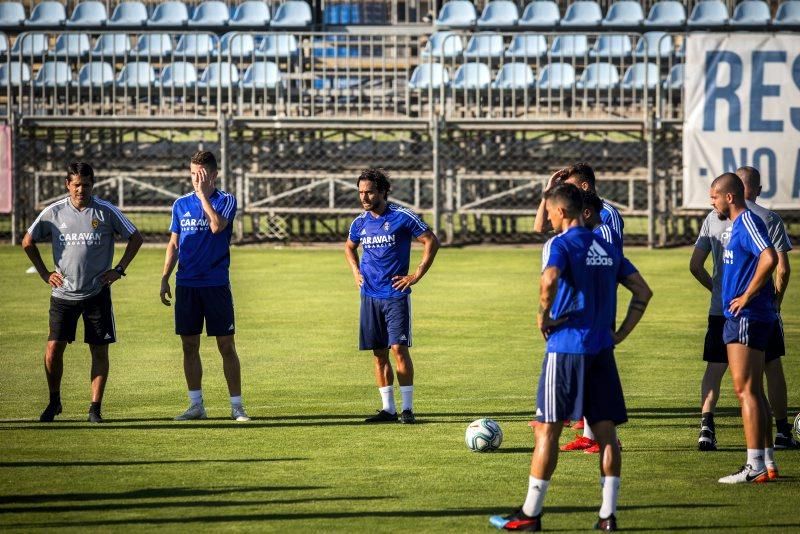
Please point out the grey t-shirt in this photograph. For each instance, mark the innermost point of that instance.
(714, 236)
(83, 243)
(775, 226)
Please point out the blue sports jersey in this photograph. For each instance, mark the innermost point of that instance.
(613, 239)
(203, 257)
(748, 240)
(386, 244)
(610, 216)
(587, 291)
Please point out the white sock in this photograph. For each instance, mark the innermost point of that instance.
(610, 487)
(408, 397)
(769, 456)
(196, 396)
(387, 396)
(587, 430)
(537, 489)
(755, 457)
(236, 401)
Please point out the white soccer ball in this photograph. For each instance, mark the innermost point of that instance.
(483, 435)
(796, 427)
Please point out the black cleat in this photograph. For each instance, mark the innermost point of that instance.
(785, 442)
(517, 521)
(707, 440)
(382, 417)
(609, 524)
(50, 413)
(407, 417)
(95, 417)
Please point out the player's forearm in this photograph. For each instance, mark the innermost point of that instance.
(767, 262)
(171, 258)
(547, 292)
(540, 223)
(428, 255)
(32, 251)
(640, 298)
(216, 222)
(702, 276)
(134, 244)
(782, 273)
(351, 256)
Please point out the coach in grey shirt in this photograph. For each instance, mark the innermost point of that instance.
(81, 229)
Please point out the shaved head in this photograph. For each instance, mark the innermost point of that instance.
(729, 184)
(751, 179)
(727, 191)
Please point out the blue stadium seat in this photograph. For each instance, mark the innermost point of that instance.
(153, 46)
(178, 75)
(53, 74)
(599, 76)
(624, 13)
(262, 75)
(339, 13)
(709, 13)
(751, 13)
(611, 46)
(196, 46)
(236, 45)
(292, 14)
(641, 75)
(251, 13)
(3, 43)
(472, 76)
(277, 45)
(499, 14)
(540, 14)
(443, 45)
(12, 14)
(71, 46)
(571, 45)
(112, 45)
(338, 82)
(514, 76)
(668, 13)
(675, 78)
(788, 13)
(582, 13)
(556, 76)
(654, 45)
(95, 74)
(485, 45)
(14, 74)
(29, 45)
(527, 45)
(136, 74)
(221, 74)
(172, 13)
(47, 14)
(128, 14)
(210, 13)
(88, 13)
(457, 14)
(429, 76)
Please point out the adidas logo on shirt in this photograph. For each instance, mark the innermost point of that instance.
(363, 232)
(597, 255)
(63, 226)
(187, 214)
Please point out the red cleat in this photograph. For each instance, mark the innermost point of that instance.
(579, 425)
(772, 472)
(580, 443)
(595, 449)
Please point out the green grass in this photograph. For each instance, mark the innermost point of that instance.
(307, 463)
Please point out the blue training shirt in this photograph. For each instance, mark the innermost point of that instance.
(386, 245)
(610, 216)
(748, 240)
(612, 238)
(587, 291)
(203, 257)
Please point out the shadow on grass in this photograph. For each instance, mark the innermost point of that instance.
(119, 463)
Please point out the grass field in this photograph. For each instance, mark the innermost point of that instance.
(306, 462)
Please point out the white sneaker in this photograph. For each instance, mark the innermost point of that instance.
(238, 414)
(746, 474)
(195, 411)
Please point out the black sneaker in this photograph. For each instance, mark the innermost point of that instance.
(382, 417)
(707, 440)
(517, 521)
(609, 524)
(95, 417)
(50, 413)
(786, 442)
(407, 417)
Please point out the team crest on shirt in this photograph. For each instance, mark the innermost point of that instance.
(386, 226)
(95, 223)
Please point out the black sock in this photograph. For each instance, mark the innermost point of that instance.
(95, 407)
(708, 420)
(783, 426)
(55, 397)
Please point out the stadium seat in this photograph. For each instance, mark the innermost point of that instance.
(136, 74)
(599, 76)
(624, 13)
(751, 13)
(262, 75)
(3, 43)
(681, 50)
(611, 46)
(472, 76)
(582, 13)
(641, 75)
(222, 74)
(196, 45)
(29, 45)
(556, 76)
(53, 74)
(675, 78)
(71, 46)
(128, 14)
(210, 13)
(529, 46)
(669, 13)
(485, 45)
(567, 46)
(89, 13)
(429, 76)
(514, 76)
(95, 74)
(251, 13)
(47, 14)
(152, 46)
(292, 14)
(277, 45)
(709, 13)
(540, 14)
(788, 13)
(654, 45)
(14, 74)
(12, 14)
(112, 45)
(172, 13)
(178, 75)
(443, 45)
(337, 82)
(457, 14)
(499, 14)
(236, 45)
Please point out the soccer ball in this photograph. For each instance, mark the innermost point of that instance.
(483, 435)
(796, 427)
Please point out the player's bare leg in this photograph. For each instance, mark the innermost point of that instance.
(778, 401)
(193, 371)
(405, 377)
(610, 470)
(709, 395)
(545, 455)
(230, 364)
(53, 370)
(384, 379)
(99, 375)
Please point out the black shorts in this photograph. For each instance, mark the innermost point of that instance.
(715, 350)
(212, 304)
(98, 319)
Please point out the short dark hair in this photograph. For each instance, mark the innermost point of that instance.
(205, 159)
(583, 171)
(568, 196)
(591, 200)
(749, 176)
(729, 183)
(377, 176)
(80, 168)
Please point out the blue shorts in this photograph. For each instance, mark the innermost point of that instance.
(212, 304)
(715, 350)
(384, 322)
(572, 386)
(754, 334)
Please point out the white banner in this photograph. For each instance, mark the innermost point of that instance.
(742, 107)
